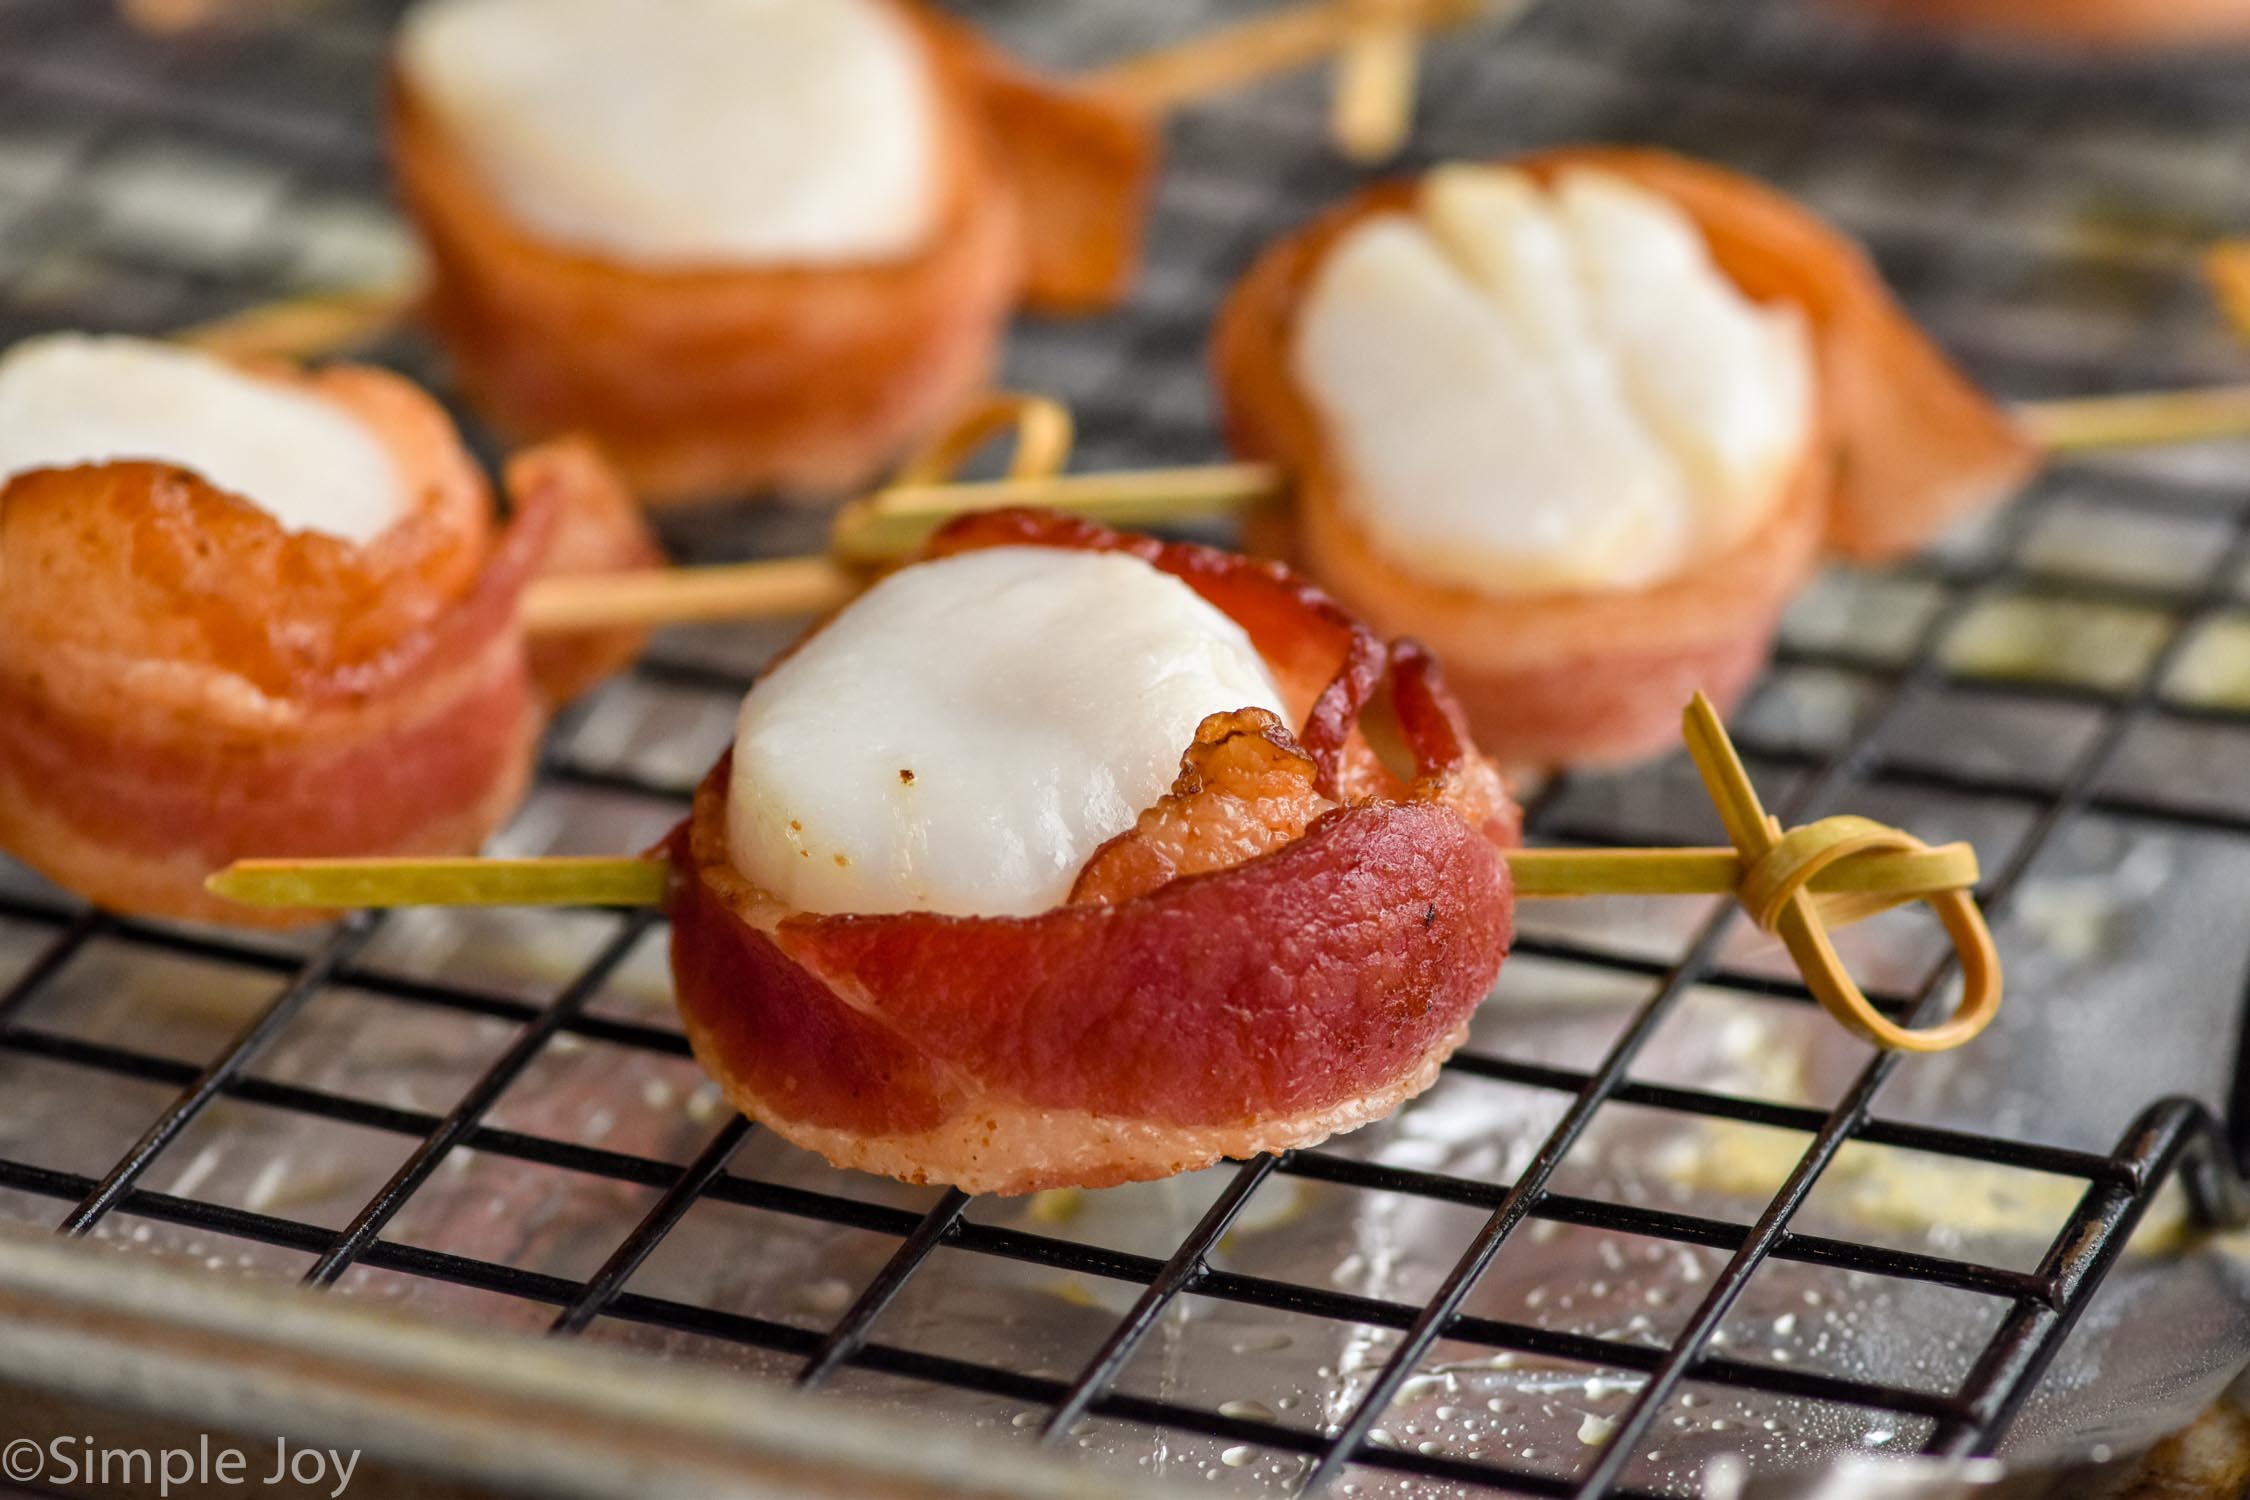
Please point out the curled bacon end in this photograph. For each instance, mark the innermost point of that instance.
(1915, 444)
(1286, 945)
(1246, 788)
(598, 528)
(1080, 165)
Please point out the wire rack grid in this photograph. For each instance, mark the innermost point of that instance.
(145, 184)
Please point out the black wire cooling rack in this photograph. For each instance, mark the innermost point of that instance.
(145, 184)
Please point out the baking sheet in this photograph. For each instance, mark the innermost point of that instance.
(2042, 215)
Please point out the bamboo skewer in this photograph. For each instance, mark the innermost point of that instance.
(782, 588)
(878, 530)
(2149, 420)
(2226, 266)
(350, 884)
(889, 525)
(1281, 41)
(1373, 110)
(894, 522)
(1567, 874)
(1539, 874)
(166, 18)
(1793, 884)
(303, 327)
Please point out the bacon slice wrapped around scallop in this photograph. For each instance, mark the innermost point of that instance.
(1066, 857)
(2080, 23)
(1585, 422)
(255, 609)
(746, 244)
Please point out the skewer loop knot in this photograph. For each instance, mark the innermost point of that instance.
(1043, 433)
(1789, 866)
(1778, 870)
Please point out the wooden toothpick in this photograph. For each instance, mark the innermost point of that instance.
(347, 884)
(1372, 112)
(1282, 40)
(2149, 420)
(305, 327)
(1540, 874)
(885, 528)
(1795, 883)
(785, 588)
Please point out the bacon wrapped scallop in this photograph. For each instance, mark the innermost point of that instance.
(245, 610)
(1585, 422)
(1066, 857)
(746, 243)
(2081, 23)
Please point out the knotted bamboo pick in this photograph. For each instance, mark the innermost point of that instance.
(1796, 884)
(894, 521)
(880, 529)
(1779, 889)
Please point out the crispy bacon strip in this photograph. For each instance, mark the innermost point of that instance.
(184, 683)
(1598, 675)
(1286, 946)
(1245, 788)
